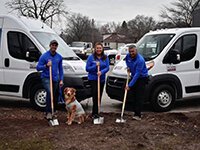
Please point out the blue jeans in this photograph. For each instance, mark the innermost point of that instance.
(46, 85)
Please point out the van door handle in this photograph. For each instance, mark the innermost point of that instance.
(196, 64)
(7, 62)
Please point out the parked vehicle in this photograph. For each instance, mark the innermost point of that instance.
(23, 40)
(172, 57)
(111, 53)
(122, 51)
(82, 49)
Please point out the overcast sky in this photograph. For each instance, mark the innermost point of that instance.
(112, 10)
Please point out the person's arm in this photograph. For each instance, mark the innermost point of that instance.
(41, 64)
(89, 66)
(106, 69)
(139, 67)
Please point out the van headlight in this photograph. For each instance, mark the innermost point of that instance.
(150, 65)
(68, 68)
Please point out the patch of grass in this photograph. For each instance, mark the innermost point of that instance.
(26, 144)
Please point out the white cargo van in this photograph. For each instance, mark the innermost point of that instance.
(22, 41)
(172, 56)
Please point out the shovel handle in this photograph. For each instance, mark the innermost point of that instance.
(51, 88)
(125, 95)
(98, 89)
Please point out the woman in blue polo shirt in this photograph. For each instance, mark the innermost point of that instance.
(98, 58)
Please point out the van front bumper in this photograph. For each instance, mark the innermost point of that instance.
(80, 83)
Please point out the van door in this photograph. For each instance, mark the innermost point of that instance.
(187, 69)
(15, 63)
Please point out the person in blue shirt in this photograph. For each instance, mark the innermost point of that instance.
(51, 58)
(139, 74)
(98, 58)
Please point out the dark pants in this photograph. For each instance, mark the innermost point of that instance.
(137, 92)
(46, 85)
(95, 95)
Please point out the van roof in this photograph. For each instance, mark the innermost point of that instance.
(175, 30)
(24, 23)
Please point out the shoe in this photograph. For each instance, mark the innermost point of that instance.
(49, 116)
(137, 118)
(95, 116)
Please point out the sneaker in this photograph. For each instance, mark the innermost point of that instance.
(95, 116)
(137, 118)
(49, 116)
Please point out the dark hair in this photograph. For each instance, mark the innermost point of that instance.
(102, 54)
(131, 46)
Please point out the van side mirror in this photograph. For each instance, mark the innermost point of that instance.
(32, 54)
(172, 57)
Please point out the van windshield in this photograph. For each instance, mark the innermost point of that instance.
(63, 49)
(151, 46)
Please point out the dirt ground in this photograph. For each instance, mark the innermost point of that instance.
(26, 129)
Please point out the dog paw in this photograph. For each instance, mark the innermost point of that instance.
(69, 123)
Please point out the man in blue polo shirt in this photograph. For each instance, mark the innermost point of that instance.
(51, 58)
(139, 73)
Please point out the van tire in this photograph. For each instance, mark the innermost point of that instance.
(163, 98)
(38, 97)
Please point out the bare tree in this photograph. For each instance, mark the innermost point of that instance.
(139, 26)
(180, 14)
(40, 9)
(110, 27)
(81, 28)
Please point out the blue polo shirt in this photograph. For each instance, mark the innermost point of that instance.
(137, 68)
(57, 69)
(91, 68)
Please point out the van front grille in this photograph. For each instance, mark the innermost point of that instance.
(114, 82)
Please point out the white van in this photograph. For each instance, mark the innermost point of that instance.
(172, 56)
(22, 41)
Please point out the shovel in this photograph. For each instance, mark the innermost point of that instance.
(99, 120)
(121, 120)
(52, 121)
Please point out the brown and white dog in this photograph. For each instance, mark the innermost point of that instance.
(74, 109)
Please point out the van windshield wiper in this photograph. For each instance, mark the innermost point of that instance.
(71, 58)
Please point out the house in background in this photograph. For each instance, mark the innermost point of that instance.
(114, 40)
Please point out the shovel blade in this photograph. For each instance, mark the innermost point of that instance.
(121, 120)
(99, 120)
(53, 122)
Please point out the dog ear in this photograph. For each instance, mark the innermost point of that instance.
(74, 90)
(65, 90)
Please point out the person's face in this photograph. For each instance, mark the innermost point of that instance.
(53, 47)
(98, 49)
(132, 52)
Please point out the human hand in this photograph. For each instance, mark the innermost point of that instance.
(97, 63)
(99, 73)
(61, 83)
(127, 88)
(128, 70)
(49, 63)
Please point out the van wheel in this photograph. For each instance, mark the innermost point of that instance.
(38, 97)
(163, 98)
